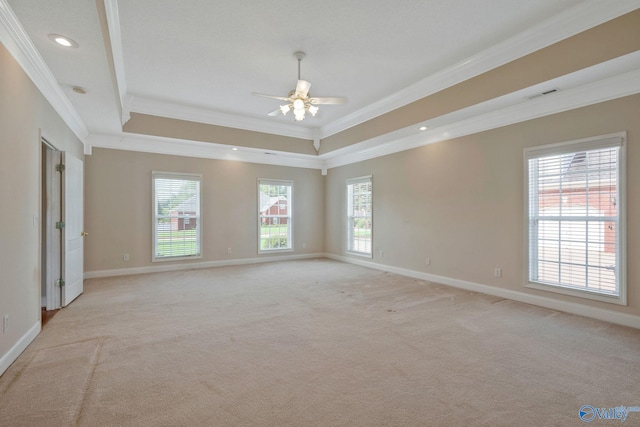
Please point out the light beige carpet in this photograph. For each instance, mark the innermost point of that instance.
(314, 343)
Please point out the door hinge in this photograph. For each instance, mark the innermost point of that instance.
(60, 225)
(60, 282)
(60, 167)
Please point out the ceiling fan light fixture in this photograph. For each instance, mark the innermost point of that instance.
(299, 115)
(298, 104)
(285, 109)
(299, 99)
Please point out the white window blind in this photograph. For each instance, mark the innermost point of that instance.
(176, 207)
(575, 229)
(275, 218)
(360, 215)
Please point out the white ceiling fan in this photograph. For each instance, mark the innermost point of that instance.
(299, 99)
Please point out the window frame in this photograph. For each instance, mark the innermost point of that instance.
(289, 216)
(350, 218)
(618, 140)
(176, 176)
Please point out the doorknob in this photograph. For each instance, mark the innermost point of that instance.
(84, 233)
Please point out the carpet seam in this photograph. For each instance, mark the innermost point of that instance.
(85, 388)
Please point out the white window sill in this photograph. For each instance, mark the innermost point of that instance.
(273, 251)
(176, 258)
(360, 254)
(579, 293)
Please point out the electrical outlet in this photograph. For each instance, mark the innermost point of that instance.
(5, 323)
(428, 261)
(497, 272)
(381, 254)
(229, 251)
(125, 257)
(304, 245)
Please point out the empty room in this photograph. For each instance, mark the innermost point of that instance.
(330, 213)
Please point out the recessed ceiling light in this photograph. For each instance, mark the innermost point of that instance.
(63, 40)
(79, 89)
(235, 148)
(423, 128)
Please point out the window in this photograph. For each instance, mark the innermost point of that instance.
(176, 210)
(359, 215)
(275, 215)
(575, 218)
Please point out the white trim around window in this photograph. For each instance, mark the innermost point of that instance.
(275, 216)
(575, 221)
(359, 192)
(176, 216)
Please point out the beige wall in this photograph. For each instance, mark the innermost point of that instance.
(460, 202)
(612, 39)
(604, 42)
(118, 207)
(182, 129)
(23, 111)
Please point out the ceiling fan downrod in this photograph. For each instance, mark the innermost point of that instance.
(299, 55)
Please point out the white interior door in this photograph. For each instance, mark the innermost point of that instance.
(73, 273)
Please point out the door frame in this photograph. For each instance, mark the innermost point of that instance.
(52, 202)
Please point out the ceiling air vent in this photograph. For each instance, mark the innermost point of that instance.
(538, 95)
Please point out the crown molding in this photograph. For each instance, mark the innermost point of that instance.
(207, 150)
(492, 114)
(509, 109)
(113, 24)
(15, 39)
(155, 107)
(406, 139)
(569, 23)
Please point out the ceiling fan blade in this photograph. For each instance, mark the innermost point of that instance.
(281, 98)
(302, 88)
(329, 100)
(274, 113)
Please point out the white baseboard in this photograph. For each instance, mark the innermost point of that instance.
(611, 316)
(160, 268)
(10, 357)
